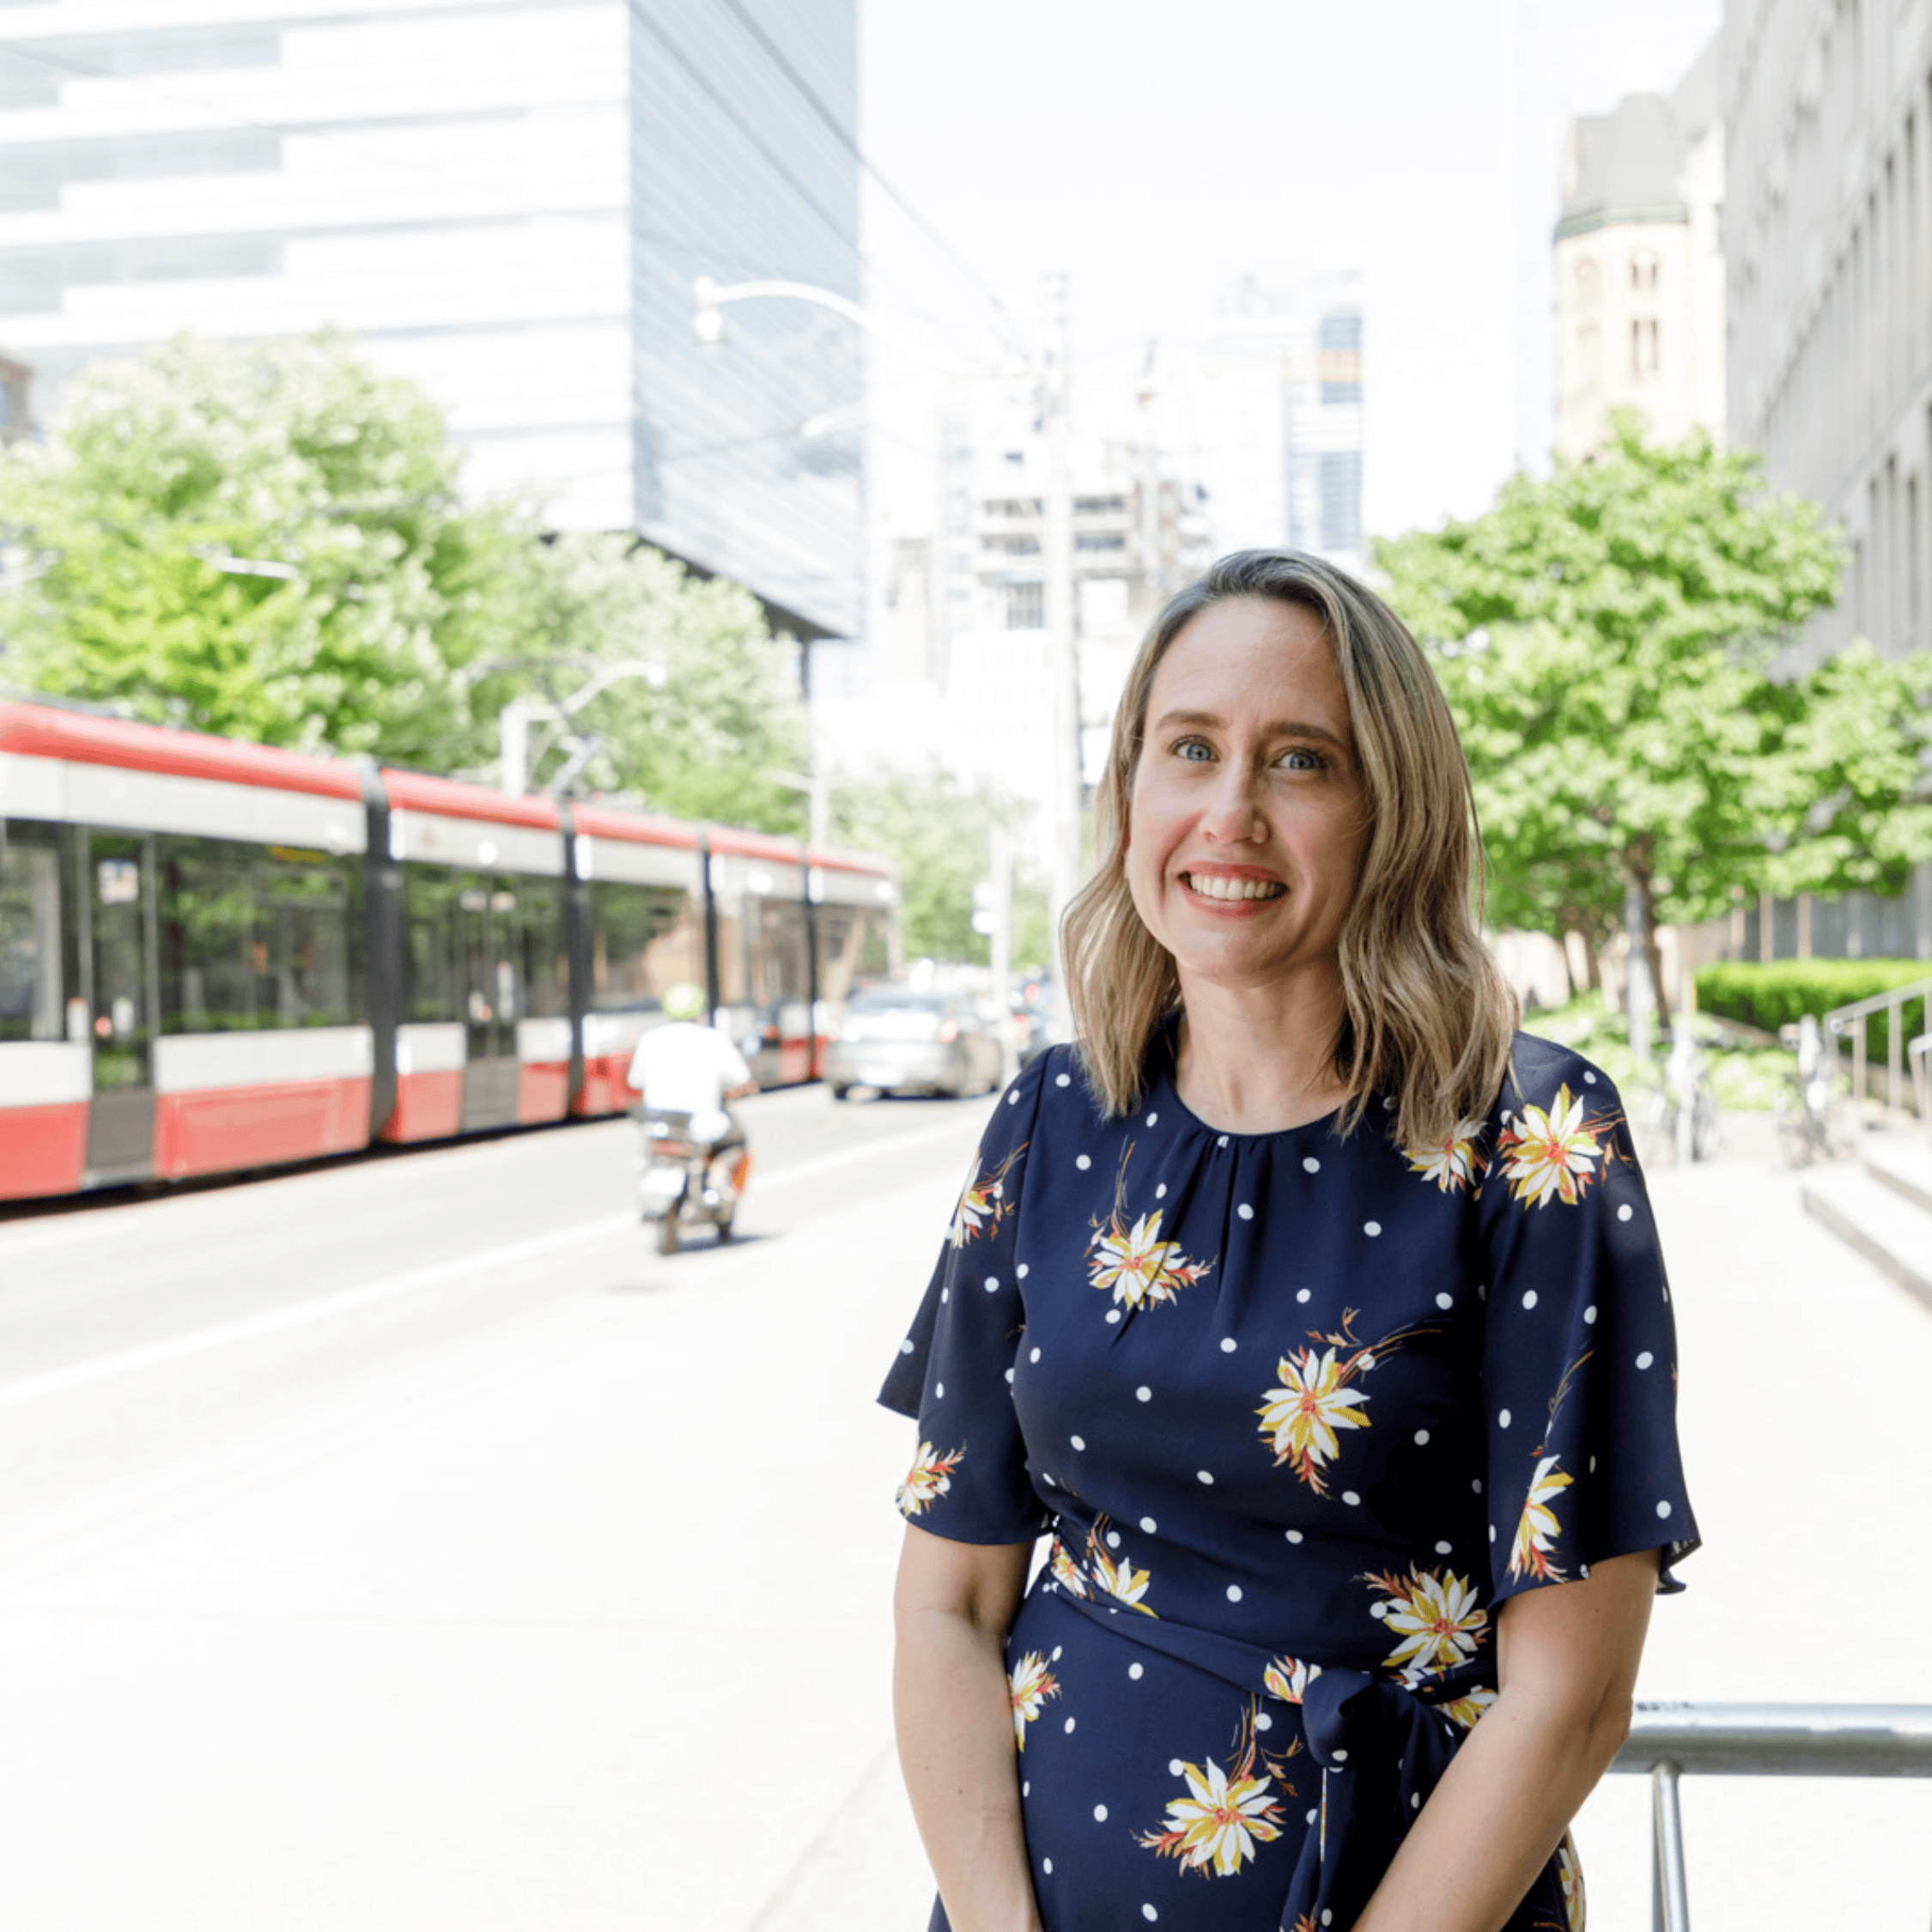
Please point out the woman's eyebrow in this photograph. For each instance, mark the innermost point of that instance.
(1282, 727)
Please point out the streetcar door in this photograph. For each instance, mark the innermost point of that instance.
(491, 1000)
(119, 884)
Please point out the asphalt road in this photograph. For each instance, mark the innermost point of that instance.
(402, 1544)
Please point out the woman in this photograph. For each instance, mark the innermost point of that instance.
(1321, 1324)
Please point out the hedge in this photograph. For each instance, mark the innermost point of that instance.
(1779, 992)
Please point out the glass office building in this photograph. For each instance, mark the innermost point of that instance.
(506, 200)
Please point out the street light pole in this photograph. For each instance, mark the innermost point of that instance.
(1063, 814)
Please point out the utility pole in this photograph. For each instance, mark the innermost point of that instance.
(1062, 619)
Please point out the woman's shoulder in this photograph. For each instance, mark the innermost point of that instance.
(1540, 1070)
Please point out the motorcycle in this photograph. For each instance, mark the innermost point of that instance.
(685, 1183)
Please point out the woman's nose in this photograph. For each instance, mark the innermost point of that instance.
(1233, 815)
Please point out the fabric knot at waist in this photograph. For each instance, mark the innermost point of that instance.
(1382, 1744)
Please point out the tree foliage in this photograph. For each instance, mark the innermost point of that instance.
(1608, 639)
(392, 617)
(939, 835)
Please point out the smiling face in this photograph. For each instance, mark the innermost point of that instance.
(1245, 823)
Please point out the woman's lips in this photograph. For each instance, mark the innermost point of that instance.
(1227, 889)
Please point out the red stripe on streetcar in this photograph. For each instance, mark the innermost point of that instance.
(428, 1106)
(542, 1090)
(219, 1128)
(43, 1150)
(38, 732)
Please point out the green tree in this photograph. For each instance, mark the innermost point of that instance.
(1608, 639)
(261, 540)
(720, 738)
(939, 836)
(267, 542)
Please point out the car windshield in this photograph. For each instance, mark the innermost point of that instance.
(884, 1000)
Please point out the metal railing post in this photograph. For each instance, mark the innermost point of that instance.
(1894, 1054)
(1670, 1898)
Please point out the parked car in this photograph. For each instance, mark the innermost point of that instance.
(897, 1041)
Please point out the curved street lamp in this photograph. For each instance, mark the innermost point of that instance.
(1050, 369)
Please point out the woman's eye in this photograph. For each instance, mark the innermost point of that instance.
(1301, 759)
(1192, 750)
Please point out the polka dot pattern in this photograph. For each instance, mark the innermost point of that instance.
(1170, 1344)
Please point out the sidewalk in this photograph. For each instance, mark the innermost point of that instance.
(1805, 1380)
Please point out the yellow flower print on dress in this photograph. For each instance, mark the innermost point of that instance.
(1067, 1571)
(1121, 1580)
(928, 1479)
(1465, 1710)
(1301, 1418)
(1537, 1531)
(1550, 1153)
(1029, 1684)
(1457, 1162)
(1435, 1617)
(1570, 1874)
(1131, 1261)
(1289, 1678)
(982, 1201)
(1216, 1827)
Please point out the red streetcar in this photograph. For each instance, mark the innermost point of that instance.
(217, 955)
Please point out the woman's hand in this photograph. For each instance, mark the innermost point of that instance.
(951, 1609)
(1566, 1668)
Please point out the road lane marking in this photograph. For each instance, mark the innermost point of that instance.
(323, 1308)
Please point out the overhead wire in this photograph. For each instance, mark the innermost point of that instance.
(816, 103)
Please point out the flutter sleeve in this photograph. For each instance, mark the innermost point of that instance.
(1579, 1374)
(954, 1370)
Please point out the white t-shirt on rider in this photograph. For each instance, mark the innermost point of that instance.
(686, 1068)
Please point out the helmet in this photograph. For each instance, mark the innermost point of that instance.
(683, 1002)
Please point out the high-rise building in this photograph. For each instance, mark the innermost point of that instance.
(508, 200)
(1276, 393)
(1639, 271)
(1828, 248)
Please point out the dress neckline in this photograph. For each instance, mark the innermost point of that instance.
(1165, 1084)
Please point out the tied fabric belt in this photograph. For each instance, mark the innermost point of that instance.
(1381, 1748)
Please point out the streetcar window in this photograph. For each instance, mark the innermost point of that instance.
(545, 977)
(852, 947)
(432, 937)
(254, 937)
(777, 965)
(30, 951)
(643, 939)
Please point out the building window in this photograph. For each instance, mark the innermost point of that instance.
(1645, 354)
(1338, 482)
(1644, 270)
(1586, 284)
(1026, 606)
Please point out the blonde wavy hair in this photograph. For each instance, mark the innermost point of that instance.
(1427, 1016)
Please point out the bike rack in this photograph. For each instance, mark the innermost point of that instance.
(1667, 1741)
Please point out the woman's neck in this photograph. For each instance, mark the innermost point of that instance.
(1259, 1061)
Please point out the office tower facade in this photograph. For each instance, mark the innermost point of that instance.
(1276, 403)
(1828, 250)
(508, 200)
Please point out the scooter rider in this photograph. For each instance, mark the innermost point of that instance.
(685, 1067)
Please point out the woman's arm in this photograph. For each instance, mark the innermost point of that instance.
(1566, 1664)
(952, 1607)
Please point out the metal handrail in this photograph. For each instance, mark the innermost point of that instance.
(1892, 1002)
(1758, 1740)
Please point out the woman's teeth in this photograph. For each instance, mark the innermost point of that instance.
(1211, 885)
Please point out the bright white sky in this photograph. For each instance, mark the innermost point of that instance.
(1149, 147)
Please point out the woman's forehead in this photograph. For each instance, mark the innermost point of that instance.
(1243, 650)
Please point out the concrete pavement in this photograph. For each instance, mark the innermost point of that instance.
(560, 1602)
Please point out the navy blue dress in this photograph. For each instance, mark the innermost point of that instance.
(1299, 1414)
